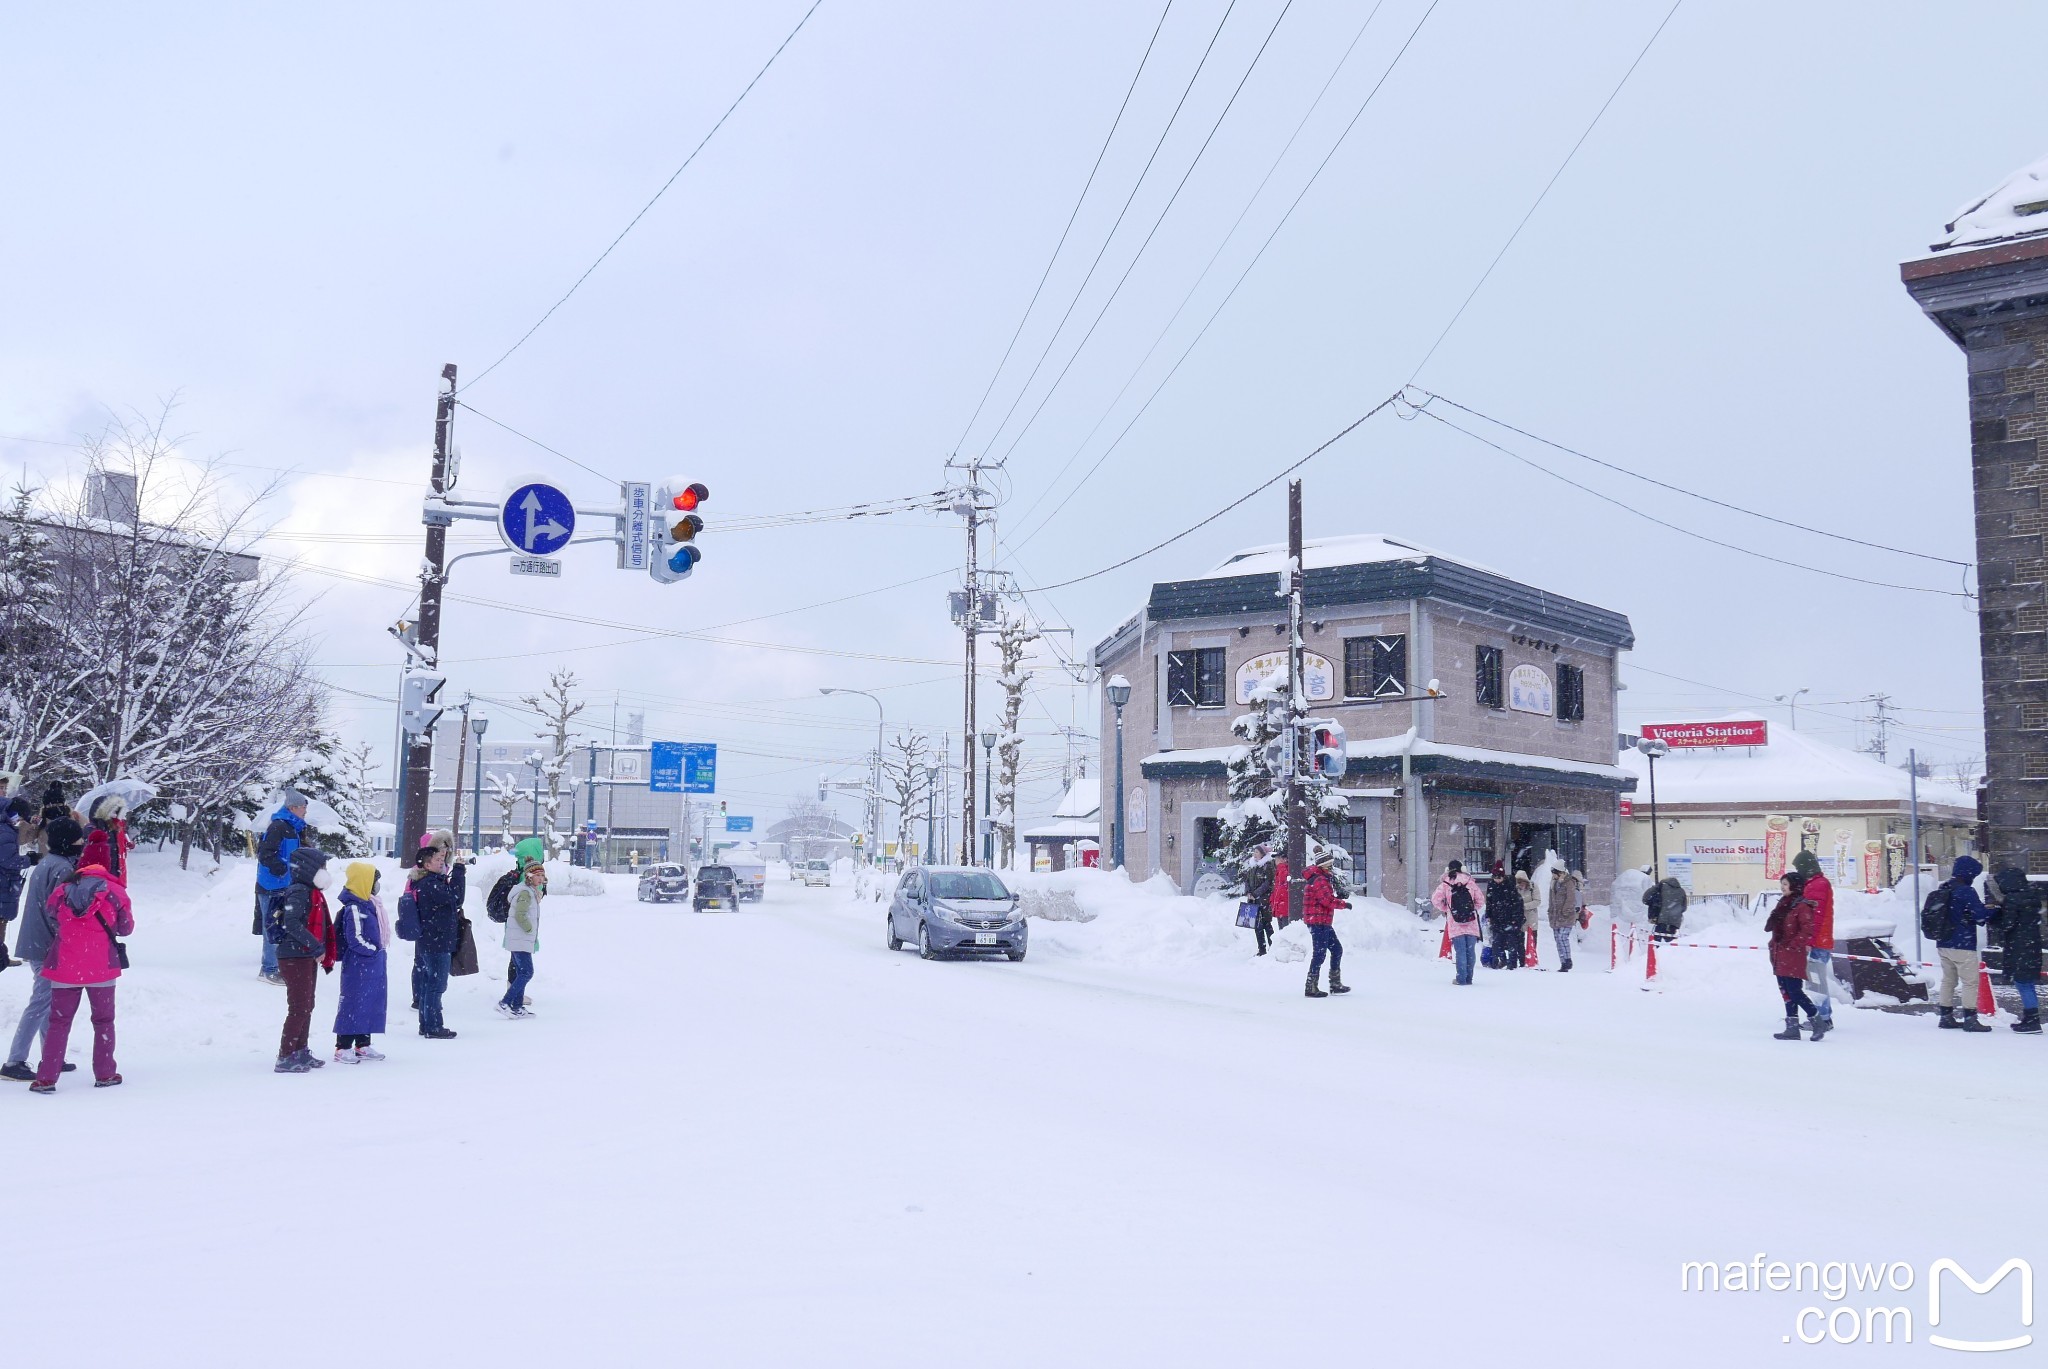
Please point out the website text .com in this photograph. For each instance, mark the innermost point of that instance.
(1877, 1316)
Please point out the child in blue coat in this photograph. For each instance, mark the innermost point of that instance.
(363, 934)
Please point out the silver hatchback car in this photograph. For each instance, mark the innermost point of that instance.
(946, 909)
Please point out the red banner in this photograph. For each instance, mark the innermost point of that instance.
(1775, 828)
(1753, 733)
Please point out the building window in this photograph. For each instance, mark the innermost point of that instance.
(1195, 679)
(1209, 837)
(1571, 694)
(1489, 685)
(1375, 667)
(1571, 845)
(1479, 838)
(1348, 834)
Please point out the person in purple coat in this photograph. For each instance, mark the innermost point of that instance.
(362, 933)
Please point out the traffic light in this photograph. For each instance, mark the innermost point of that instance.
(675, 545)
(417, 712)
(1326, 742)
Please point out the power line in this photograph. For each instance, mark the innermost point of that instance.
(523, 437)
(1221, 304)
(1086, 186)
(1260, 488)
(1136, 185)
(1692, 494)
(1537, 203)
(634, 221)
(1679, 528)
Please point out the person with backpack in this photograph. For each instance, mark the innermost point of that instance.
(522, 938)
(1457, 897)
(274, 871)
(1790, 928)
(362, 933)
(437, 898)
(1820, 958)
(2019, 933)
(304, 934)
(527, 857)
(12, 813)
(1319, 905)
(1666, 901)
(65, 843)
(1951, 916)
(91, 913)
(1505, 918)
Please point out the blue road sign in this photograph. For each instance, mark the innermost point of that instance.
(683, 768)
(537, 519)
(735, 823)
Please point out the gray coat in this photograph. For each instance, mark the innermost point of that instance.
(38, 928)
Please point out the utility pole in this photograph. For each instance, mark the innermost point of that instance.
(419, 754)
(1883, 721)
(972, 626)
(1297, 710)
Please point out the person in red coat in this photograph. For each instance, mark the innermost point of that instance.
(1820, 956)
(1319, 905)
(1791, 929)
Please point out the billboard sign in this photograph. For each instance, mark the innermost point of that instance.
(1753, 732)
(683, 768)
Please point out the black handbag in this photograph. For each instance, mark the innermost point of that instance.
(120, 950)
(464, 960)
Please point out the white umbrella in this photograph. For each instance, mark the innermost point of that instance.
(132, 792)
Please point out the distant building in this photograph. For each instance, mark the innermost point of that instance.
(1517, 757)
(1985, 284)
(1073, 830)
(1714, 803)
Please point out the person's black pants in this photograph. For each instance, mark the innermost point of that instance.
(1263, 930)
(1324, 938)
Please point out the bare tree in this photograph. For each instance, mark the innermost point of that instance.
(1013, 641)
(812, 829)
(1967, 772)
(558, 708)
(906, 767)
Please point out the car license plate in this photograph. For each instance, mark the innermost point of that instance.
(984, 938)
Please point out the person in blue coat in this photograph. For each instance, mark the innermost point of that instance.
(438, 896)
(363, 939)
(274, 869)
(1957, 947)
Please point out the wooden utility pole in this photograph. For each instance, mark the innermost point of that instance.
(1297, 710)
(419, 750)
(971, 624)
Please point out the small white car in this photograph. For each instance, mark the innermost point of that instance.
(817, 874)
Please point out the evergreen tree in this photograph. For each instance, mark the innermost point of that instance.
(1254, 837)
(319, 772)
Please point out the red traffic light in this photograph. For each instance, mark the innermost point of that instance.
(691, 496)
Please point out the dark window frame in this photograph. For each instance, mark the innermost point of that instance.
(1571, 693)
(1571, 845)
(1489, 677)
(1198, 677)
(1379, 663)
(1478, 860)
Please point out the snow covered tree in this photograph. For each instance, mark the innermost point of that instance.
(502, 789)
(557, 707)
(1254, 835)
(811, 829)
(1013, 641)
(321, 771)
(906, 772)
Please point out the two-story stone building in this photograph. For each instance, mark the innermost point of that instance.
(1516, 757)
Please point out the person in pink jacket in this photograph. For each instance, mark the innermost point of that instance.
(1461, 901)
(90, 910)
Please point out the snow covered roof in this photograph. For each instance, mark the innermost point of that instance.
(2018, 208)
(1064, 829)
(1383, 748)
(1083, 799)
(1352, 549)
(1796, 767)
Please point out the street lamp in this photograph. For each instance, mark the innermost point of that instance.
(536, 760)
(1119, 691)
(477, 723)
(1653, 747)
(988, 799)
(875, 836)
(1792, 701)
(931, 809)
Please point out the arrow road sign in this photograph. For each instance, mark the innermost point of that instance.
(537, 519)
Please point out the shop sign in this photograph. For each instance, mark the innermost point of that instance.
(1529, 690)
(1728, 851)
(1751, 733)
(1318, 678)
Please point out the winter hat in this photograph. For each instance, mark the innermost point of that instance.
(65, 836)
(426, 840)
(362, 879)
(293, 798)
(444, 839)
(1499, 869)
(1806, 863)
(111, 808)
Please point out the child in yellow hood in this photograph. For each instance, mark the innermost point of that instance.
(363, 932)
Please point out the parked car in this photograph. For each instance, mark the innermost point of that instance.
(817, 873)
(663, 883)
(956, 909)
(716, 888)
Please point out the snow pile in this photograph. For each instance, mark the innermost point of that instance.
(2018, 208)
(563, 878)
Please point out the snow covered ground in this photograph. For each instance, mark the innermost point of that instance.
(763, 1139)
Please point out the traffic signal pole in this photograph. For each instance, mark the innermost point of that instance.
(1297, 711)
(419, 752)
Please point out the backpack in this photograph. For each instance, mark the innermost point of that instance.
(408, 925)
(1934, 911)
(1461, 903)
(498, 903)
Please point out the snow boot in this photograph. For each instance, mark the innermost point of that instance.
(1791, 1032)
(1970, 1022)
(291, 1064)
(1821, 1026)
(1313, 991)
(21, 1073)
(1948, 1019)
(107, 1082)
(1565, 968)
(1337, 984)
(2030, 1022)
(40, 1087)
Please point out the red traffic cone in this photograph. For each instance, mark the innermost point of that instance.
(1529, 951)
(1444, 951)
(1987, 1006)
(1650, 960)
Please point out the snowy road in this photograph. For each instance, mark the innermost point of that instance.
(764, 1139)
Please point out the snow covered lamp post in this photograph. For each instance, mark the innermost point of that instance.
(1791, 701)
(875, 836)
(1119, 691)
(536, 760)
(477, 723)
(988, 798)
(1653, 747)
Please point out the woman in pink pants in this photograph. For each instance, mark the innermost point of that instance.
(91, 911)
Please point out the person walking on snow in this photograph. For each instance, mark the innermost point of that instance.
(274, 871)
(90, 909)
(1790, 928)
(1820, 960)
(1561, 911)
(1505, 918)
(362, 932)
(65, 840)
(12, 863)
(437, 897)
(304, 934)
(1319, 905)
(2019, 932)
(522, 938)
(1458, 898)
(1957, 946)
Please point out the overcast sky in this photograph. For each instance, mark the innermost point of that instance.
(290, 217)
